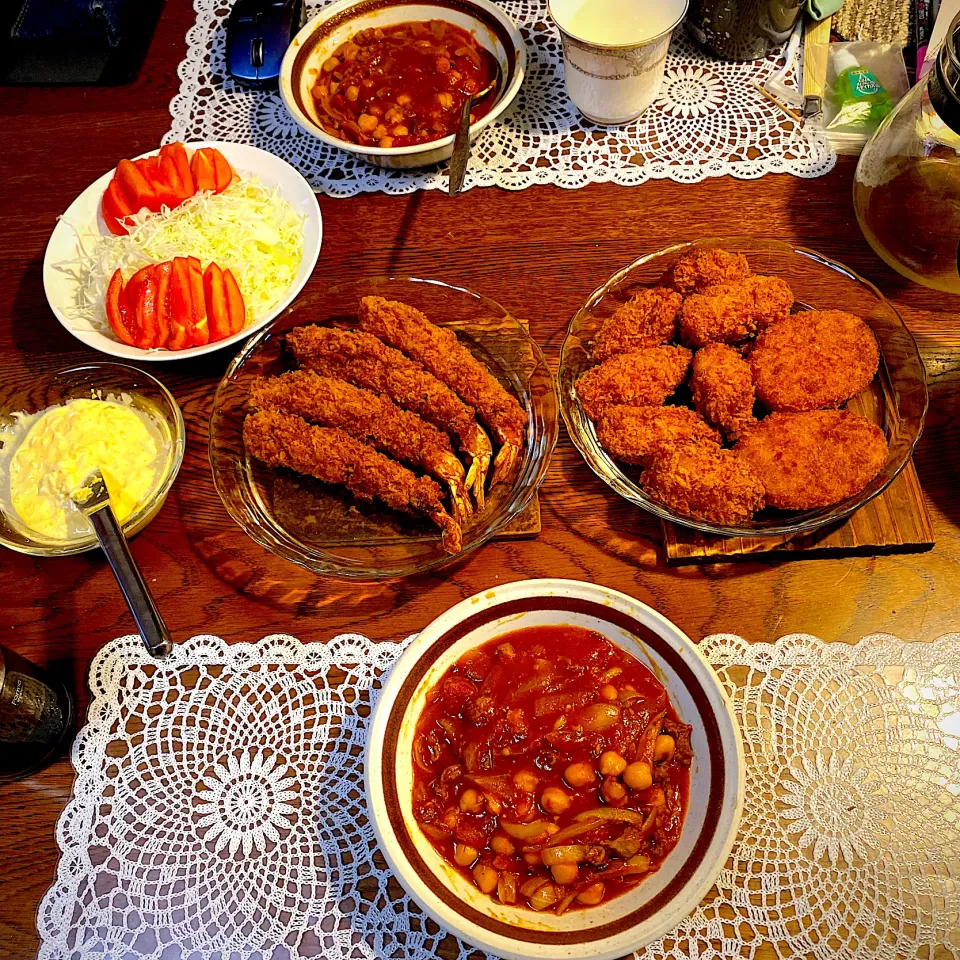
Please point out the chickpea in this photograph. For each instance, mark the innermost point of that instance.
(330, 64)
(352, 92)
(608, 692)
(464, 854)
(532, 859)
(485, 877)
(401, 130)
(663, 748)
(404, 99)
(393, 115)
(613, 791)
(564, 873)
(446, 100)
(386, 142)
(579, 774)
(638, 775)
(526, 780)
(612, 764)
(592, 895)
(554, 800)
(443, 65)
(380, 132)
(503, 845)
(367, 123)
(471, 801)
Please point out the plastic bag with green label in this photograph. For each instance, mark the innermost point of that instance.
(864, 82)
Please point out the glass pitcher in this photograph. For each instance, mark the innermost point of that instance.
(906, 191)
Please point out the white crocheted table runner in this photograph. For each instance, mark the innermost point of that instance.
(709, 120)
(173, 847)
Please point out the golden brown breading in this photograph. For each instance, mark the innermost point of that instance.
(813, 459)
(368, 417)
(406, 328)
(731, 312)
(641, 378)
(722, 388)
(362, 359)
(331, 455)
(647, 319)
(817, 358)
(699, 269)
(705, 482)
(635, 434)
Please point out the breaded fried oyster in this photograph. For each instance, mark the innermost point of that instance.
(634, 434)
(699, 269)
(722, 388)
(647, 319)
(732, 312)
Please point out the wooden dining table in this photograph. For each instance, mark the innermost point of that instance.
(539, 252)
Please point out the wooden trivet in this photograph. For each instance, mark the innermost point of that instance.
(895, 522)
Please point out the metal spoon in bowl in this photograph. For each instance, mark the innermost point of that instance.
(461, 145)
(93, 501)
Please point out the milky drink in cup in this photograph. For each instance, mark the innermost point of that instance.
(614, 53)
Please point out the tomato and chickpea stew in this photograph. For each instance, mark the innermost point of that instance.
(403, 84)
(551, 769)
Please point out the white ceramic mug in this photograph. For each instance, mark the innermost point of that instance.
(614, 53)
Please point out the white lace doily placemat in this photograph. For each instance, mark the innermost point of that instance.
(218, 810)
(709, 120)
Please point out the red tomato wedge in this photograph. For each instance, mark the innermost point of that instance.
(118, 312)
(210, 169)
(177, 154)
(181, 329)
(236, 307)
(164, 273)
(115, 207)
(136, 187)
(198, 311)
(141, 294)
(215, 296)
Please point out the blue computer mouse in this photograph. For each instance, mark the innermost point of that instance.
(258, 34)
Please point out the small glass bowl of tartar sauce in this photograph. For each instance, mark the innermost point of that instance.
(54, 433)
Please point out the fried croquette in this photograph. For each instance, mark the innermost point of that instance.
(705, 482)
(813, 459)
(722, 388)
(696, 271)
(731, 312)
(332, 455)
(647, 319)
(437, 348)
(813, 359)
(642, 378)
(634, 434)
(368, 417)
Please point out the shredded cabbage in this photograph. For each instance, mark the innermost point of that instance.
(248, 229)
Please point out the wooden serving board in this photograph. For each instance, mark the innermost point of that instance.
(895, 522)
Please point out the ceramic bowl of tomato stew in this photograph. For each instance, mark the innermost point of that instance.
(554, 771)
(388, 81)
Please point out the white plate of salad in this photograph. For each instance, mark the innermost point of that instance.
(182, 251)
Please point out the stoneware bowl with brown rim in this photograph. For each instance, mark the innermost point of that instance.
(652, 908)
(338, 22)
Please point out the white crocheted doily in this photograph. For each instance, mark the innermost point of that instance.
(219, 809)
(709, 120)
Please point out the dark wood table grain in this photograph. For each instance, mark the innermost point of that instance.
(539, 252)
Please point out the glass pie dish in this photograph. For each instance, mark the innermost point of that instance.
(896, 399)
(325, 529)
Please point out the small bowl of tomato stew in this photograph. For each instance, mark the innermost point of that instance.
(554, 771)
(388, 81)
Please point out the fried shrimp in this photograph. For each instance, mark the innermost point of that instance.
(407, 329)
(696, 271)
(635, 434)
(332, 455)
(641, 378)
(647, 319)
(368, 417)
(722, 388)
(731, 312)
(817, 358)
(361, 359)
(813, 459)
(705, 482)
